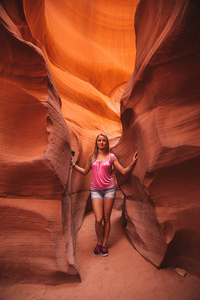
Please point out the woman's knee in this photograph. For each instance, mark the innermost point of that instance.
(107, 218)
(99, 220)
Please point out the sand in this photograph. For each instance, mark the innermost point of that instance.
(123, 275)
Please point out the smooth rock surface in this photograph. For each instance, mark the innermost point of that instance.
(160, 114)
(35, 157)
(83, 53)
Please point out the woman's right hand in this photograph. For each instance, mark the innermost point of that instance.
(72, 163)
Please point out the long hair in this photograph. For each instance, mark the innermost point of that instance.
(93, 156)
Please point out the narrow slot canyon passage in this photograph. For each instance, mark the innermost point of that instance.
(71, 70)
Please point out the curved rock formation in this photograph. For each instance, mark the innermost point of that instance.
(34, 163)
(88, 48)
(160, 114)
(90, 51)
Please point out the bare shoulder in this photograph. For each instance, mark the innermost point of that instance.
(113, 157)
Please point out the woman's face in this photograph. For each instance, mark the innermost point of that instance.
(101, 142)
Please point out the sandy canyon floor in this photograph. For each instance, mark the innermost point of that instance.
(123, 275)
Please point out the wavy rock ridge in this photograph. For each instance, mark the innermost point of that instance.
(89, 50)
(35, 145)
(160, 114)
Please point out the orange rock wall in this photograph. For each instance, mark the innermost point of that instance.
(160, 114)
(88, 49)
(82, 53)
(34, 163)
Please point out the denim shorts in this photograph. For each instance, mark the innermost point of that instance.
(103, 194)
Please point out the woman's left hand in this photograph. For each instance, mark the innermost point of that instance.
(135, 157)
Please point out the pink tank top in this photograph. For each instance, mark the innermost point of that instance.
(101, 174)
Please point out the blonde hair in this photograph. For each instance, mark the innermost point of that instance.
(93, 156)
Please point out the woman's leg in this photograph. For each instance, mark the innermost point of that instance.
(97, 205)
(107, 204)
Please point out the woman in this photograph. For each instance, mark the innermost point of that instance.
(103, 187)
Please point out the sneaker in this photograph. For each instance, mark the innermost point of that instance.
(104, 251)
(97, 249)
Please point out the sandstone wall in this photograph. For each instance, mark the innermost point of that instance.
(160, 115)
(82, 53)
(34, 162)
(88, 48)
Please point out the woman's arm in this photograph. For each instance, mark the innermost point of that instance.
(129, 168)
(82, 170)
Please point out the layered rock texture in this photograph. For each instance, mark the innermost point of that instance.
(81, 54)
(37, 242)
(160, 114)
